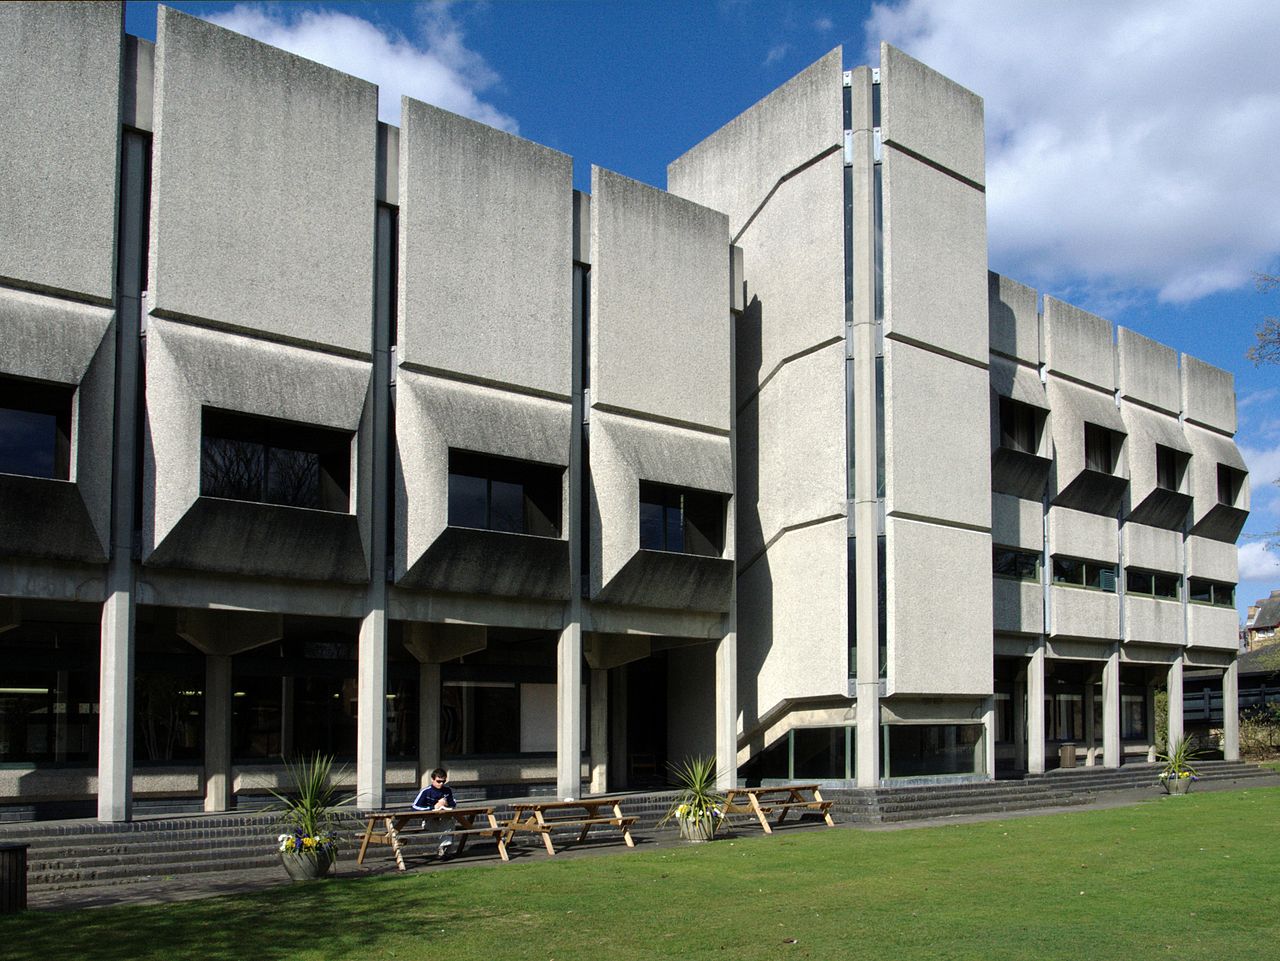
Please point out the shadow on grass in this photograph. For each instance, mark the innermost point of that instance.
(339, 917)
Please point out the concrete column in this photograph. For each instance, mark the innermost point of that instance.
(569, 711)
(217, 732)
(1174, 687)
(429, 754)
(1035, 710)
(1150, 711)
(727, 711)
(1090, 731)
(989, 739)
(115, 706)
(1231, 712)
(1019, 700)
(599, 731)
(1111, 709)
(371, 711)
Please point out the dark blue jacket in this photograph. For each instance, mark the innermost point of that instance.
(430, 794)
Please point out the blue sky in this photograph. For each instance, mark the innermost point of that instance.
(1130, 147)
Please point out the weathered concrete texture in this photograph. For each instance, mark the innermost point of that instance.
(74, 344)
(1212, 559)
(1014, 319)
(736, 167)
(1208, 395)
(1148, 371)
(1153, 620)
(1078, 344)
(1215, 628)
(434, 415)
(935, 259)
(485, 245)
(678, 581)
(937, 453)
(1016, 522)
(659, 318)
(47, 519)
(1082, 534)
(138, 96)
(1072, 406)
(623, 453)
(1017, 606)
(60, 73)
(1209, 449)
(961, 615)
(262, 210)
(1080, 612)
(1019, 382)
(1152, 548)
(492, 562)
(189, 368)
(930, 115)
(1147, 429)
(793, 636)
(790, 460)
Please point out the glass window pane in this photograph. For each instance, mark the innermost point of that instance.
(293, 478)
(818, 753)
(28, 442)
(1068, 570)
(468, 501)
(231, 468)
(651, 527)
(673, 518)
(925, 749)
(506, 507)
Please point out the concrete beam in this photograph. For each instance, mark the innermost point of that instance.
(604, 651)
(437, 643)
(224, 633)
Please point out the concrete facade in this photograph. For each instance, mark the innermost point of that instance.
(426, 458)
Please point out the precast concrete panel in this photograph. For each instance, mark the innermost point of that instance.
(793, 262)
(486, 230)
(190, 368)
(1017, 522)
(1078, 345)
(1208, 395)
(931, 115)
(1148, 372)
(793, 633)
(737, 167)
(935, 259)
(1153, 620)
(1213, 560)
(1084, 613)
(939, 606)
(1093, 537)
(1017, 606)
(1071, 406)
(1209, 449)
(659, 338)
(262, 210)
(1217, 628)
(1014, 319)
(433, 416)
(936, 436)
(1146, 429)
(1152, 548)
(789, 469)
(60, 73)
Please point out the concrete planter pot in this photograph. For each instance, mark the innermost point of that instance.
(308, 865)
(697, 829)
(1177, 785)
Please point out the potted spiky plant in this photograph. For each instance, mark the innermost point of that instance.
(698, 807)
(309, 840)
(1178, 774)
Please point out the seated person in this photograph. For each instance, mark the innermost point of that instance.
(437, 796)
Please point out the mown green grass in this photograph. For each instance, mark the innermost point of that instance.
(1187, 878)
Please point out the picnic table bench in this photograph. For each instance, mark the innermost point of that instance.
(390, 827)
(763, 801)
(585, 813)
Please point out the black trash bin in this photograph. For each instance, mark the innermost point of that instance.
(13, 878)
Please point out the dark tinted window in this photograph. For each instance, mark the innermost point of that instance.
(1099, 449)
(1229, 484)
(1069, 570)
(1018, 426)
(500, 494)
(35, 428)
(681, 520)
(1169, 467)
(1010, 562)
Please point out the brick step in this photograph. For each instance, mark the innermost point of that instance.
(196, 863)
(158, 853)
(1037, 799)
(994, 808)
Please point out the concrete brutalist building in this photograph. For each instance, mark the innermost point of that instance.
(318, 434)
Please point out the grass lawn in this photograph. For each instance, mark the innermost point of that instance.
(1185, 878)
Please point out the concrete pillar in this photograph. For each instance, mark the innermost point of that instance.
(1231, 712)
(115, 707)
(569, 711)
(1150, 711)
(1090, 729)
(988, 765)
(727, 711)
(1111, 709)
(599, 731)
(371, 711)
(1174, 687)
(217, 732)
(1019, 700)
(1035, 710)
(429, 753)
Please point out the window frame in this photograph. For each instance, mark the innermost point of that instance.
(1215, 589)
(1096, 437)
(1020, 556)
(541, 492)
(43, 399)
(1089, 571)
(674, 505)
(1143, 582)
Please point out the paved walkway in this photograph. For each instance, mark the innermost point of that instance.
(166, 889)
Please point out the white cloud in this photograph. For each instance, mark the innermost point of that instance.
(823, 25)
(1257, 563)
(1128, 144)
(435, 67)
(776, 53)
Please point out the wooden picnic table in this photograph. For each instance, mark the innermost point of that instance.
(542, 817)
(390, 827)
(763, 801)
